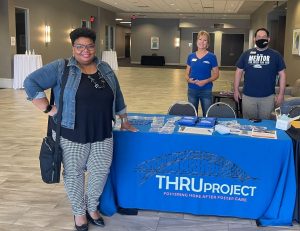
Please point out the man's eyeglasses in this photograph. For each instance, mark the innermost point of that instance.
(81, 47)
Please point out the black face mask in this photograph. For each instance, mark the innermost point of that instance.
(262, 43)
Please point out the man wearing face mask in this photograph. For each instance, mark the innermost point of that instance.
(260, 66)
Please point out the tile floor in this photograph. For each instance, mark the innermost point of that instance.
(27, 204)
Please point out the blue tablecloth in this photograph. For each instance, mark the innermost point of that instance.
(220, 175)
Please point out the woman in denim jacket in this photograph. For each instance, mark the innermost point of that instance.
(92, 98)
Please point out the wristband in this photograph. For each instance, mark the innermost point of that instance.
(48, 109)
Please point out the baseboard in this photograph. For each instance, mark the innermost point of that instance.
(174, 64)
(171, 64)
(6, 83)
(135, 62)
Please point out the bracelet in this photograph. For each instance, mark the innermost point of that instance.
(48, 109)
(124, 120)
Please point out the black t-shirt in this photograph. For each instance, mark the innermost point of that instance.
(93, 108)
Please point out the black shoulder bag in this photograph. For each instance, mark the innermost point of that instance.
(51, 153)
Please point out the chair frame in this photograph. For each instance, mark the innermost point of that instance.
(182, 102)
(296, 107)
(220, 103)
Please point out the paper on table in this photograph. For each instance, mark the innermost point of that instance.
(196, 130)
(264, 133)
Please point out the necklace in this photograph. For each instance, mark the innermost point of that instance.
(98, 83)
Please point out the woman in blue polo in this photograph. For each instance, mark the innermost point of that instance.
(201, 70)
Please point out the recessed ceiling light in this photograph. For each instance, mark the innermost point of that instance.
(125, 22)
(119, 19)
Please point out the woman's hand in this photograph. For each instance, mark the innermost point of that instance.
(191, 80)
(201, 83)
(127, 126)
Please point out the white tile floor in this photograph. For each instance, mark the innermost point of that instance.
(27, 204)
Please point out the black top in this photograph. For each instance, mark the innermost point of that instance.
(93, 111)
(294, 133)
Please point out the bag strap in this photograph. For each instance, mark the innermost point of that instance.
(59, 113)
(51, 123)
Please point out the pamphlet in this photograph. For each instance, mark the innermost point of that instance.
(206, 122)
(188, 120)
(264, 133)
(245, 133)
(196, 130)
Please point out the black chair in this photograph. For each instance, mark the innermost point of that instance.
(220, 110)
(182, 108)
(295, 111)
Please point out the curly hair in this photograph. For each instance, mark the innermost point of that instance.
(82, 32)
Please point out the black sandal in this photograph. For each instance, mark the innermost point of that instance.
(83, 227)
(98, 222)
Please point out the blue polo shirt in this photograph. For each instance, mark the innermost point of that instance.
(201, 68)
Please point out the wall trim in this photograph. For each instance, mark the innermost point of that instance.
(171, 64)
(175, 64)
(6, 83)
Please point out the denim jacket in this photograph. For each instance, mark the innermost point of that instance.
(50, 76)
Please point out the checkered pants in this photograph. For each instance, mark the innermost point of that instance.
(93, 158)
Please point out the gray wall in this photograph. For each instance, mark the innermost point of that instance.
(260, 19)
(166, 29)
(121, 31)
(5, 64)
(106, 18)
(292, 22)
(61, 20)
(186, 38)
(61, 17)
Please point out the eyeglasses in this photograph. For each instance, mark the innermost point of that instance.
(81, 47)
(100, 83)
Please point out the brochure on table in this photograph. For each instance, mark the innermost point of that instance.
(207, 125)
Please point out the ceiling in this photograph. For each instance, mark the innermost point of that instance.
(182, 9)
